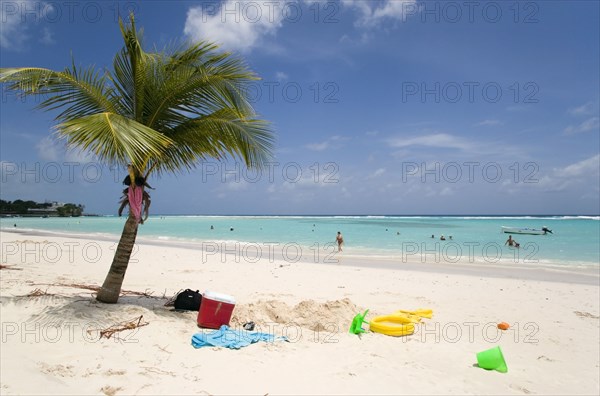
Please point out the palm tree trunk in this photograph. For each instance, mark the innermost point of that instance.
(111, 289)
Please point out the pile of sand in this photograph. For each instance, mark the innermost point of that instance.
(333, 316)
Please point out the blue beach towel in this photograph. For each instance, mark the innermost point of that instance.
(233, 339)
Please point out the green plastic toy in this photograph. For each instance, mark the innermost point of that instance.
(357, 322)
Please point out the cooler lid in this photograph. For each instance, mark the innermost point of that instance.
(218, 297)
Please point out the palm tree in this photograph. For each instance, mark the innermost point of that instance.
(155, 113)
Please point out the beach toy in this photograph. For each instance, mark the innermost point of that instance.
(492, 359)
(392, 325)
(503, 326)
(400, 323)
(409, 317)
(423, 313)
(357, 322)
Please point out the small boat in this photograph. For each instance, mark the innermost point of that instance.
(525, 230)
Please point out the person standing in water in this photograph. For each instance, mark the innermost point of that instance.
(509, 241)
(340, 241)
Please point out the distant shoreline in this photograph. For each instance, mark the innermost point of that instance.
(498, 216)
(477, 240)
(235, 251)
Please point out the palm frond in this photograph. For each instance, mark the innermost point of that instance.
(134, 74)
(199, 82)
(114, 139)
(216, 136)
(81, 91)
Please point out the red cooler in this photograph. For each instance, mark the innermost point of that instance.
(215, 310)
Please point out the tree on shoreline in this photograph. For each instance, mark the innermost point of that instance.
(70, 210)
(154, 113)
(32, 208)
(21, 207)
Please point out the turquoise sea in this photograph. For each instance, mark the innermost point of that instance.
(575, 241)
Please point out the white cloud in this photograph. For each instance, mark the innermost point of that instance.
(442, 140)
(582, 175)
(591, 124)
(377, 173)
(47, 37)
(339, 138)
(242, 25)
(488, 123)
(335, 141)
(81, 157)
(303, 186)
(374, 12)
(517, 108)
(236, 25)
(12, 31)
(49, 150)
(364, 38)
(401, 154)
(231, 184)
(447, 191)
(54, 150)
(587, 167)
(430, 192)
(547, 184)
(239, 185)
(281, 76)
(318, 146)
(15, 19)
(586, 109)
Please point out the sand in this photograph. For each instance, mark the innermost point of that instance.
(51, 324)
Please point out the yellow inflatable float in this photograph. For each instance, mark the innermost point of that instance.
(400, 323)
(392, 325)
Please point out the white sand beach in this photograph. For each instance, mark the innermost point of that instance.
(552, 346)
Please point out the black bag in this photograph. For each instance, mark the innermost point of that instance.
(188, 300)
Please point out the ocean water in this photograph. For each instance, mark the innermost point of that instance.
(575, 240)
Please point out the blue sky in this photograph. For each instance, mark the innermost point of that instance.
(379, 107)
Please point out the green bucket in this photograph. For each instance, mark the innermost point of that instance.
(492, 359)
